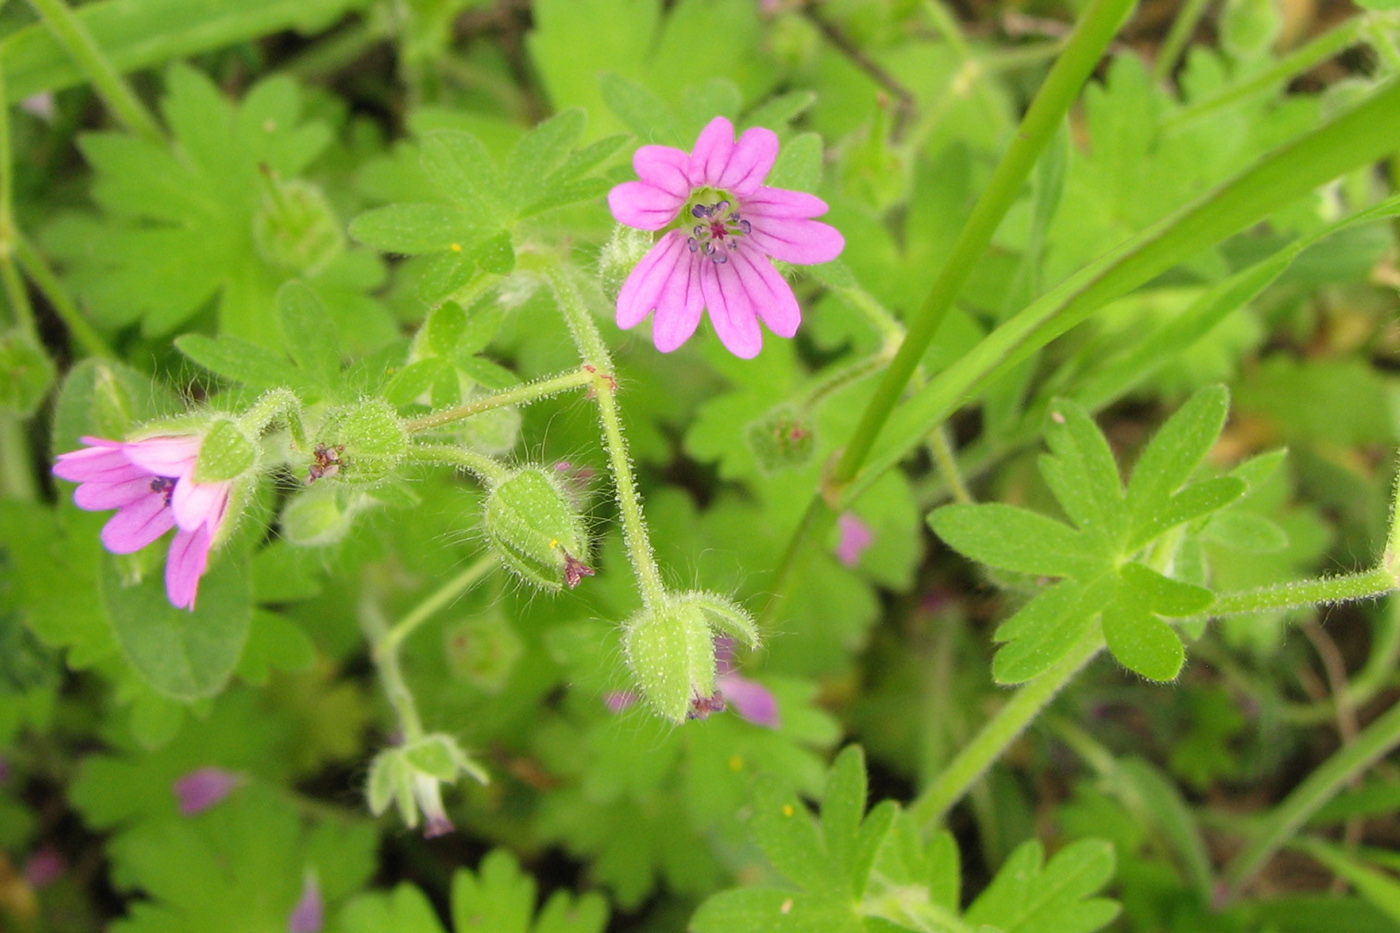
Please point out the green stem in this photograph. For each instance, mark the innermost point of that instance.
(15, 289)
(595, 354)
(386, 663)
(79, 328)
(16, 472)
(1366, 584)
(1061, 88)
(70, 32)
(997, 735)
(1183, 27)
(1373, 742)
(519, 395)
(480, 465)
(445, 594)
(947, 462)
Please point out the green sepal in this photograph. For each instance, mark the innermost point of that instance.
(225, 454)
(536, 529)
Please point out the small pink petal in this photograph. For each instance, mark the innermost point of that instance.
(780, 202)
(165, 456)
(750, 699)
(101, 463)
(768, 292)
(856, 537)
(137, 525)
(663, 167)
(45, 866)
(99, 496)
(309, 914)
(731, 311)
(649, 279)
(644, 206)
(712, 153)
(199, 504)
(203, 788)
(751, 162)
(189, 558)
(679, 306)
(619, 700)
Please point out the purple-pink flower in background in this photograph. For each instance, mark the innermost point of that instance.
(855, 538)
(725, 227)
(151, 484)
(309, 914)
(203, 788)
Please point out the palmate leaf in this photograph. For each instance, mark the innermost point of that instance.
(853, 872)
(219, 214)
(499, 898)
(1100, 578)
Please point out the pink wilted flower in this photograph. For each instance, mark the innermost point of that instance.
(855, 538)
(309, 914)
(203, 788)
(723, 227)
(151, 484)
(750, 699)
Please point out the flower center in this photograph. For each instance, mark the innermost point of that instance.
(719, 230)
(163, 485)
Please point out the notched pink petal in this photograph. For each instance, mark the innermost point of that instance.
(680, 304)
(189, 558)
(731, 312)
(644, 285)
(751, 162)
(663, 167)
(712, 153)
(780, 202)
(768, 292)
(165, 456)
(646, 207)
(96, 497)
(795, 240)
(137, 525)
(95, 464)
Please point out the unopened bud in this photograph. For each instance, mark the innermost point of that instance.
(782, 439)
(360, 443)
(412, 776)
(537, 530)
(671, 650)
(620, 256)
(296, 228)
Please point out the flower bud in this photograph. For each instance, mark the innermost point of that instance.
(226, 453)
(367, 439)
(412, 776)
(296, 228)
(620, 256)
(538, 532)
(781, 440)
(671, 650)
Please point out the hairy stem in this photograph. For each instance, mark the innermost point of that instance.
(451, 590)
(519, 395)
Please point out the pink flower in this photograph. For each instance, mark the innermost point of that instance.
(151, 484)
(750, 699)
(203, 788)
(856, 538)
(309, 914)
(723, 226)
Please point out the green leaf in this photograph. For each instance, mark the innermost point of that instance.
(1381, 889)
(1029, 897)
(1042, 632)
(308, 333)
(1245, 531)
(539, 153)
(415, 379)
(136, 35)
(181, 654)
(642, 111)
(1012, 538)
(769, 910)
(1195, 501)
(461, 166)
(1139, 640)
(240, 361)
(1177, 449)
(404, 910)
(843, 806)
(501, 899)
(785, 830)
(799, 165)
(412, 229)
(1083, 474)
(1163, 594)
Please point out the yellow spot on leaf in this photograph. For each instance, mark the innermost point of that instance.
(788, 810)
(736, 763)
(456, 247)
